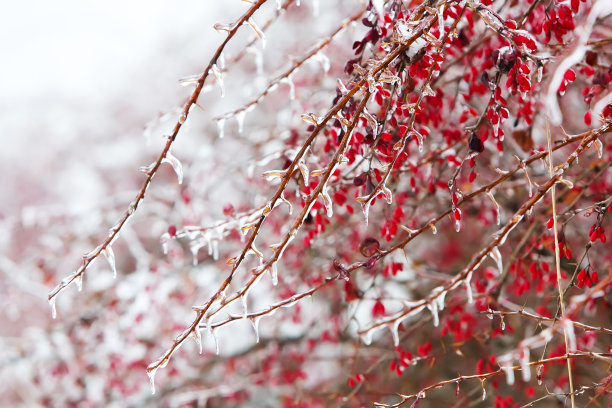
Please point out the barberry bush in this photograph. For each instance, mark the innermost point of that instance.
(395, 203)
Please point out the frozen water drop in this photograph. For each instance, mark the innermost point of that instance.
(278, 4)
(457, 225)
(525, 369)
(497, 209)
(176, 165)
(434, 229)
(110, 258)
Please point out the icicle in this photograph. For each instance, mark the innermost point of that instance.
(221, 127)
(151, 375)
(284, 200)
(176, 165)
(366, 337)
(289, 81)
(484, 391)
(315, 8)
(304, 170)
(240, 120)
(215, 250)
(79, 282)
(568, 326)
(323, 60)
(164, 240)
(365, 207)
(223, 27)
(341, 87)
(457, 225)
(395, 331)
(434, 230)
(497, 210)
(258, 58)
(258, 32)
(197, 338)
(568, 183)
(274, 174)
(468, 286)
(539, 374)
(255, 323)
(525, 369)
(388, 194)
(110, 257)
(243, 300)
(506, 366)
(147, 169)
(212, 333)
(219, 77)
(190, 80)
(274, 273)
(327, 202)
(599, 147)
(433, 307)
(154, 366)
(278, 4)
(53, 309)
(298, 3)
(496, 256)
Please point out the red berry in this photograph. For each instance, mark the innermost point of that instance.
(550, 223)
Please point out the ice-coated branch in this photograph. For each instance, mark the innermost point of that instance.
(151, 171)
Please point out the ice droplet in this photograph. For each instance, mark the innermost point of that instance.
(221, 127)
(110, 258)
(434, 229)
(457, 225)
(176, 165)
(278, 4)
(395, 331)
(219, 77)
(164, 240)
(240, 120)
(53, 308)
(365, 207)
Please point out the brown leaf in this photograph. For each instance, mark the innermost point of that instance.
(523, 138)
